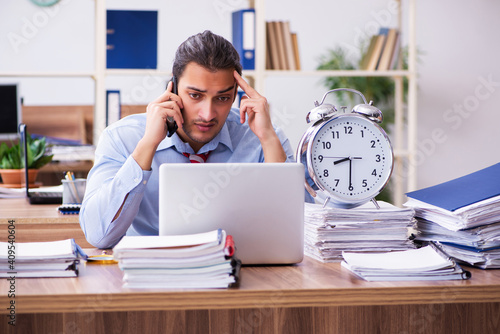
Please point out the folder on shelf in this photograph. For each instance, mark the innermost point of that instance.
(368, 54)
(244, 37)
(295, 44)
(389, 50)
(113, 106)
(289, 51)
(272, 45)
(280, 42)
(132, 38)
(376, 52)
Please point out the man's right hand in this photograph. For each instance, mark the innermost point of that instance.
(166, 105)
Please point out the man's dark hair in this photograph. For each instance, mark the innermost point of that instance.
(208, 50)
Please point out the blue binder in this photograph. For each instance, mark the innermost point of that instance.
(132, 39)
(463, 191)
(244, 37)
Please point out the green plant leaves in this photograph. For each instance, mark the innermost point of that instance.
(10, 158)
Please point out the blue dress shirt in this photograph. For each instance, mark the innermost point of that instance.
(116, 177)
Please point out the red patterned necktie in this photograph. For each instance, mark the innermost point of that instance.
(197, 158)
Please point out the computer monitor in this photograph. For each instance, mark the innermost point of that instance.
(10, 111)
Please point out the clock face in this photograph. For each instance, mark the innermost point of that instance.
(350, 158)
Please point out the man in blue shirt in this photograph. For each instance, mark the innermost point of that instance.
(122, 187)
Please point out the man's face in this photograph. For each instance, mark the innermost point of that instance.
(207, 98)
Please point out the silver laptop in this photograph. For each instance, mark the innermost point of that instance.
(260, 204)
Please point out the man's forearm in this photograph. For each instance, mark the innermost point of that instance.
(273, 151)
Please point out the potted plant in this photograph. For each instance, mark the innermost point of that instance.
(12, 162)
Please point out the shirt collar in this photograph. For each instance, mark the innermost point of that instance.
(175, 141)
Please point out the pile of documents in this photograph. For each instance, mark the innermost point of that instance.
(330, 231)
(40, 259)
(462, 217)
(426, 263)
(203, 260)
(72, 152)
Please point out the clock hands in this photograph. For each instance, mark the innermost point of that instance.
(343, 159)
(350, 159)
(350, 175)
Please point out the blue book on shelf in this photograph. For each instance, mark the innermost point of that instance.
(113, 106)
(132, 39)
(463, 191)
(244, 37)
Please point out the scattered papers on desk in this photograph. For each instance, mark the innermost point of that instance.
(330, 231)
(40, 259)
(462, 216)
(12, 192)
(484, 258)
(426, 263)
(203, 260)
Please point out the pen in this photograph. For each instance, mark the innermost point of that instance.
(71, 177)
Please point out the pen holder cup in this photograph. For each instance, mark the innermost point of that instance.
(73, 191)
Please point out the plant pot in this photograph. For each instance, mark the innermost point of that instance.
(15, 177)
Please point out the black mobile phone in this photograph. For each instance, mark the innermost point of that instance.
(171, 124)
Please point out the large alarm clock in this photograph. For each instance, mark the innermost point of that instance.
(348, 157)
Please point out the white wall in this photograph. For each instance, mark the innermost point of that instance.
(457, 40)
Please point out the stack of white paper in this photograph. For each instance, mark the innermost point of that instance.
(462, 217)
(426, 263)
(40, 259)
(72, 152)
(329, 231)
(204, 260)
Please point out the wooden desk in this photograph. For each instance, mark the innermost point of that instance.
(310, 297)
(38, 222)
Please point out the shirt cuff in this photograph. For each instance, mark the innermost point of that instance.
(132, 176)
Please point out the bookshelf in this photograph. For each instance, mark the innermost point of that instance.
(405, 124)
(405, 132)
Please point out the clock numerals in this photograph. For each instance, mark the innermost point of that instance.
(348, 130)
(351, 159)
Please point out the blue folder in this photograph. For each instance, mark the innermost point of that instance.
(244, 37)
(132, 38)
(463, 191)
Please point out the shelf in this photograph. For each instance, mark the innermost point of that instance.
(333, 73)
(119, 71)
(401, 153)
(47, 74)
(405, 136)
